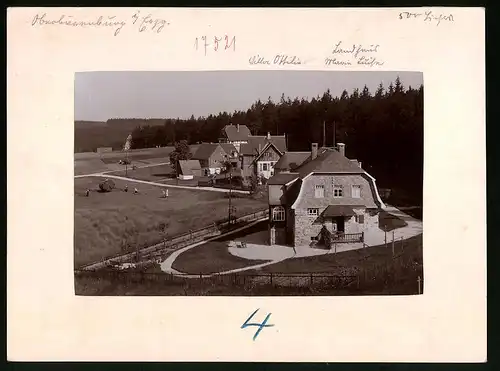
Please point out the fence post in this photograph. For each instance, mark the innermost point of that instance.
(358, 282)
(271, 278)
(385, 236)
(201, 276)
(392, 243)
(311, 278)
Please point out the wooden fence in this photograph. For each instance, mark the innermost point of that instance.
(161, 249)
(399, 271)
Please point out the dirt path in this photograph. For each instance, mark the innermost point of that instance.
(166, 266)
(210, 189)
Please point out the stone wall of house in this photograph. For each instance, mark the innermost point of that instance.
(305, 227)
(370, 222)
(310, 226)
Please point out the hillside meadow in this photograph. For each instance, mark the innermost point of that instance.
(109, 223)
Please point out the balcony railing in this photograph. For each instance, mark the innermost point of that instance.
(340, 237)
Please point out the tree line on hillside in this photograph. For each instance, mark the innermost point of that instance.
(383, 129)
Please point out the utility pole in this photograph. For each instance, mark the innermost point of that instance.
(324, 134)
(334, 124)
(230, 189)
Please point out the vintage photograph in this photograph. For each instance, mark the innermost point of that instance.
(248, 183)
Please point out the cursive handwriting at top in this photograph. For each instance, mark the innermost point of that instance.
(154, 24)
(354, 49)
(277, 60)
(428, 17)
(354, 54)
(143, 23)
(68, 20)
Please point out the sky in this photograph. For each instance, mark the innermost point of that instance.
(100, 96)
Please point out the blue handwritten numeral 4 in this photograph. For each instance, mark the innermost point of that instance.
(259, 325)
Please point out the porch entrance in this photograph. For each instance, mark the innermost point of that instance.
(340, 221)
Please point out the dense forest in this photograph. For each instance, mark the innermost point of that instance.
(382, 129)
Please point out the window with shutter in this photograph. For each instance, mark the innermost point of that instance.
(356, 191)
(319, 191)
(361, 219)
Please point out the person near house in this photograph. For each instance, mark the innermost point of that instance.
(87, 193)
(136, 191)
(126, 188)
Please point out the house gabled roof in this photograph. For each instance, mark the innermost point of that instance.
(235, 133)
(329, 161)
(268, 145)
(205, 151)
(292, 160)
(228, 148)
(260, 141)
(282, 178)
(188, 166)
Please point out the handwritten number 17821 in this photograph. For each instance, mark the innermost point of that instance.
(259, 325)
(219, 43)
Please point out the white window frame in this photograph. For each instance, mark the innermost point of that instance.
(279, 214)
(312, 211)
(358, 187)
(265, 166)
(319, 187)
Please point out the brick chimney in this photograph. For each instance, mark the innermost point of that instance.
(314, 150)
(341, 148)
(268, 136)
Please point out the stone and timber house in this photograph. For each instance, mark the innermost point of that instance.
(320, 194)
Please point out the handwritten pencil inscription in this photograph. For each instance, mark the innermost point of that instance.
(217, 43)
(354, 54)
(428, 17)
(276, 60)
(141, 22)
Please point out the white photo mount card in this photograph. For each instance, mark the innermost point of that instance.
(226, 192)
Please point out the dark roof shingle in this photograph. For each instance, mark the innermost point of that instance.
(292, 160)
(205, 151)
(237, 132)
(256, 142)
(329, 161)
(283, 178)
(228, 148)
(338, 210)
(188, 166)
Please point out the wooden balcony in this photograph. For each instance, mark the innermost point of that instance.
(340, 237)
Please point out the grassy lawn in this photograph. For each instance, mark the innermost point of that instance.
(389, 222)
(110, 223)
(348, 260)
(213, 257)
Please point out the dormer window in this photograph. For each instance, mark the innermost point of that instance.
(319, 191)
(338, 191)
(356, 191)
